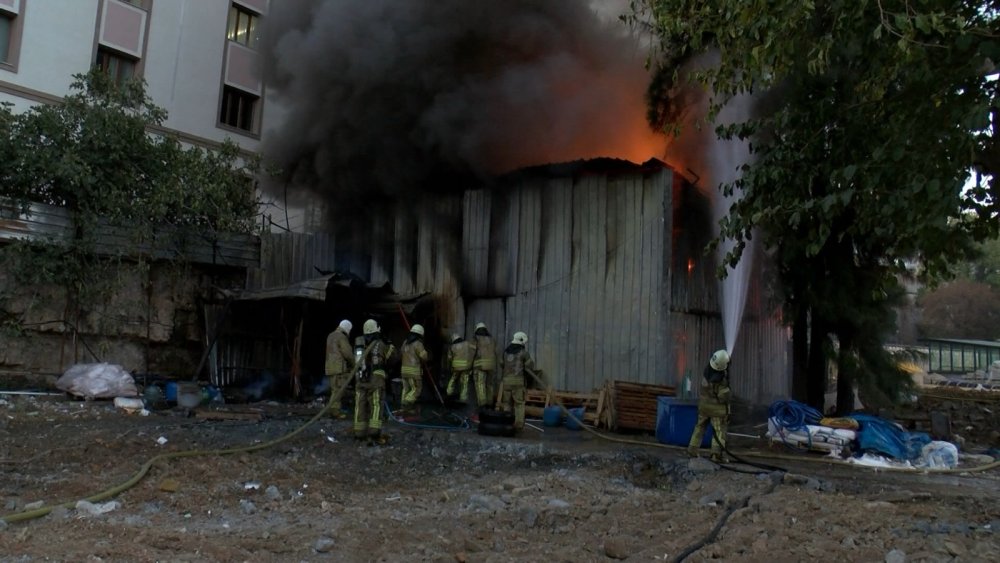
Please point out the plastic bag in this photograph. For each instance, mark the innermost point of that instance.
(97, 381)
(938, 455)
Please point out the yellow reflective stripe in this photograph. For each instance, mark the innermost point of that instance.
(485, 363)
(460, 364)
(410, 370)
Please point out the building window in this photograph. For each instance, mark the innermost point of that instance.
(119, 67)
(238, 108)
(244, 26)
(6, 29)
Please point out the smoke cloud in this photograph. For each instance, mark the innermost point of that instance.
(394, 97)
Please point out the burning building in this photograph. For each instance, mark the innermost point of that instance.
(432, 134)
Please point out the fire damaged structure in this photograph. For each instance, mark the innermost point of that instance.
(602, 262)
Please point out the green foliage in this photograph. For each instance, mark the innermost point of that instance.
(870, 116)
(98, 156)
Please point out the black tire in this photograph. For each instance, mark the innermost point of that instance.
(503, 430)
(493, 416)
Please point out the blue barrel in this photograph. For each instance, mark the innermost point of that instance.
(571, 421)
(552, 416)
(171, 391)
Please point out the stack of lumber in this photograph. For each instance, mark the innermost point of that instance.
(633, 406)
(535, 401)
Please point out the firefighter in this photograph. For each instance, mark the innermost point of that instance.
(413, 356)
(517, 365)
(713, 407)
(339, 365)
(370, 385)
(484, 365)
(460, 355)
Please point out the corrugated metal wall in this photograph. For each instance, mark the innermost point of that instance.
(760, 371)
(606, 272)
(588, 259)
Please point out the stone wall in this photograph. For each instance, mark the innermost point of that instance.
(151, 323)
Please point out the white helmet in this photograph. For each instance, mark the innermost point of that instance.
(346, 326)
(519, 338)
(481, 326)
(417, 329)
(455, 338)
(371, 327)
(720, 360)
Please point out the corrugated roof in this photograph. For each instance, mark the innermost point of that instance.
(980, 343)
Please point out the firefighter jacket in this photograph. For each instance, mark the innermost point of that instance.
(374, 362)
(413, 354)
(517, 363)
(486, 353)
(715, 392)
(460, 356)
(339, 355)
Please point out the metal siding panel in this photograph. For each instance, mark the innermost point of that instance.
(475, 246)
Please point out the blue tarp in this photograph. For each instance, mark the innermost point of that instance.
(884, 437)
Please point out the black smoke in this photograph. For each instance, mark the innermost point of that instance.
(388, 98)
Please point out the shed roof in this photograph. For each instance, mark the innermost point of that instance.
(963, 342)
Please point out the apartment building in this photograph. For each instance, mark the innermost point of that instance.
(199, 58)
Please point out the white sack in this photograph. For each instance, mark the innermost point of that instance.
(97, 381)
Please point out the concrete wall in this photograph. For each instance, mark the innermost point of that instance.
(151, 323)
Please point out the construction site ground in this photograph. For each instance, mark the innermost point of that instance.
(434, 495)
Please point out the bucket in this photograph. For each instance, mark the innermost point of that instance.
(188, 395)
(577, 415)
(552, 416)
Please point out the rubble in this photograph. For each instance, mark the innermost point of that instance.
(564, 496)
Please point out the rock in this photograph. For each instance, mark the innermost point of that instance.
(169, 485)
(712, 499)
(60, 513)
(248, 506)
(975, 460)
(529, 516)
(616, 548)
(34, 505)
(558, 504)
(10, 504)
(812, 485)
(794, 479)
(955, 549)
(272, 493)
(849, 542)
(461, 557)
(324, 544)
(97, 509)
(701, 465)
(486, 502)
(512, 483)
(895, 556)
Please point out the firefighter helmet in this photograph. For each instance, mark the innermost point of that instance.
(481, 326)
(417, 329)
(720, 360)
(346, 326)
(455, 338)
(520, 338)
(371, 327)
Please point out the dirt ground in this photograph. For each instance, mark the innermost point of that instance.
(433, 495)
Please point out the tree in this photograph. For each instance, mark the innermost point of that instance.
(961, 309)
(94, 156)
(870, 116)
